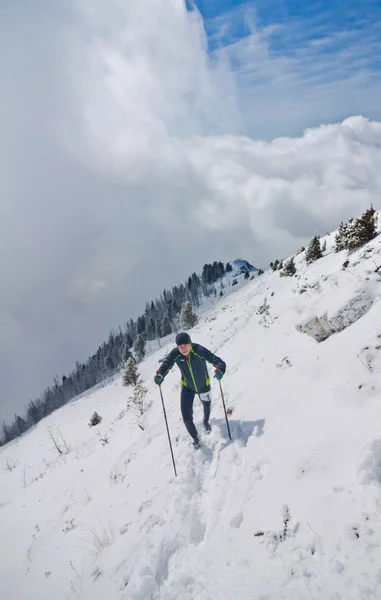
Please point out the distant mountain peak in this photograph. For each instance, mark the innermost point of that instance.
(240, 266)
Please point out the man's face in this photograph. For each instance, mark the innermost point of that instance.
(184, 349)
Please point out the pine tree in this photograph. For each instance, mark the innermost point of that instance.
(131, 374)
(324, 246)
(289, 268)
(188, 318)
(247, 275)
(341, 238)
(228, 268)
(275, 265)
(260, 272)
(313, 251)
(141, 324)
(207, 273)
(150, 328)
(109, 363)
(126, 354)
(158, 332)
(369, 221)
(363, 229)
(140, 347)
(166, 328)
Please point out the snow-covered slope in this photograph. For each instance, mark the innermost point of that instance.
(110, 520)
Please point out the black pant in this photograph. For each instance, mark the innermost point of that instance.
(187, 397)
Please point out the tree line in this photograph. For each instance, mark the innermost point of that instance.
(351, 235)
(161, 317)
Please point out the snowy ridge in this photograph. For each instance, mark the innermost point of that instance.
(111, 520)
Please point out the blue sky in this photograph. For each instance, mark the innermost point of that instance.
(295, 61)
(299, 22)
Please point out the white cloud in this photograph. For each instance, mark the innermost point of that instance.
(126, 165)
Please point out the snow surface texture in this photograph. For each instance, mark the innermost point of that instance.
(290, 510)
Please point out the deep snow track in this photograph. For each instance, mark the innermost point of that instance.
(203, 497)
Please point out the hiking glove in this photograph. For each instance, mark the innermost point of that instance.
(158, 379)
(218, 374)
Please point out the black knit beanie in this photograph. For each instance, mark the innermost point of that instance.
(183, 338)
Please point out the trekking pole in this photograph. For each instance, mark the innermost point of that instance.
(169, 437)
(223, 403)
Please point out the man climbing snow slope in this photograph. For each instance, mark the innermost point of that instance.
(191, 360)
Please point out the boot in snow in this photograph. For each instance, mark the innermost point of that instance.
(196, 443)
(207, 427)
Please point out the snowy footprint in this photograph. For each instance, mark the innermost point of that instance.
(177, 534)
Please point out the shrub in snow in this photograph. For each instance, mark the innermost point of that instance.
(234, 282)
(264, 308)
(10, 465)
(100, 536)
(313, 251)
(58, 440)
(274, 538)
(188, 317)
(104, 440)
(95, 419)
(286, 516)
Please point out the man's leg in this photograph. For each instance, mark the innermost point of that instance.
(187, 397)
(206, 402)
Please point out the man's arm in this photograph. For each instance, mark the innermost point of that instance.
(168, 362)
(216, 361)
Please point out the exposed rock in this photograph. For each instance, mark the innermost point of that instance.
(322, 327)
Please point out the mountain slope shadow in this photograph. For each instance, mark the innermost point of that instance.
(240, 430)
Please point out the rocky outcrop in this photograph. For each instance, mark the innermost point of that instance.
(323, 326)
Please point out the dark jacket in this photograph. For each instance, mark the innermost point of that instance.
(194, 370)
